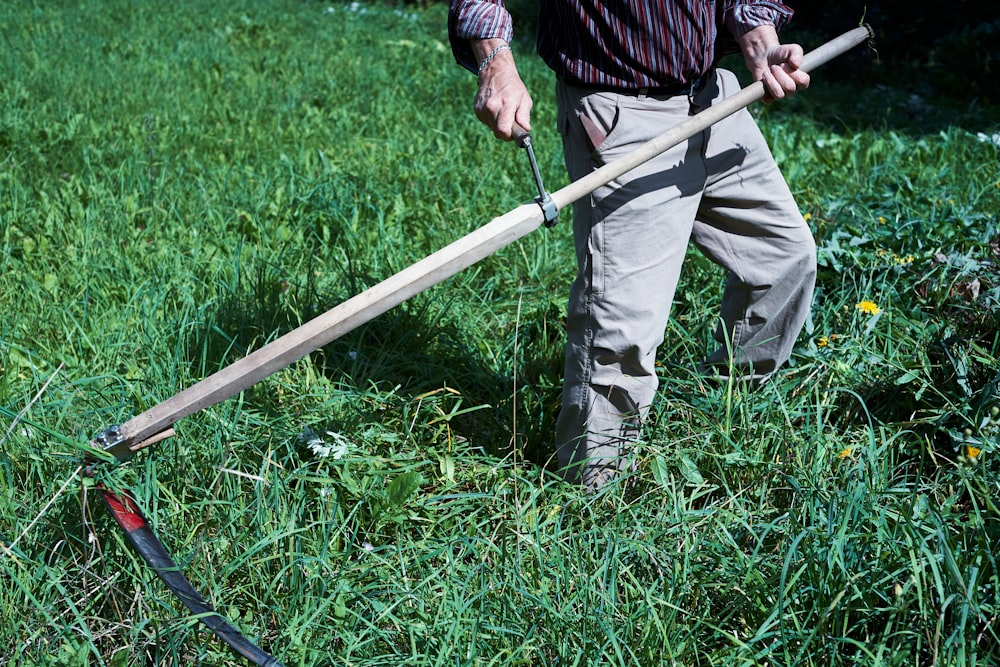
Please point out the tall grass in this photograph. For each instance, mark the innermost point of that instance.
(179, 185)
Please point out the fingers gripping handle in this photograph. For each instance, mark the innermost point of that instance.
(523, 139)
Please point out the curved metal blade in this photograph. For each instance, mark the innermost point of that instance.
(142, 538)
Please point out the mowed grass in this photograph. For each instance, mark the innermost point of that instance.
(181, 184)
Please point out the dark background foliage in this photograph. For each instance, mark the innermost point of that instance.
(953, 47)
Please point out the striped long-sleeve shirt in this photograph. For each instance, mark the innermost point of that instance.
(624, 44)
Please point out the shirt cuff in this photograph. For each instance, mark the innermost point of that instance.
(476, 19)
(743, 18)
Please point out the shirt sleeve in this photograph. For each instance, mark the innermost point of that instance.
(741, 16)
(476, 19)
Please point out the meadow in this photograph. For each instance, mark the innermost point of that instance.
(182, 183)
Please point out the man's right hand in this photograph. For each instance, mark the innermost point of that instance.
(502, 98)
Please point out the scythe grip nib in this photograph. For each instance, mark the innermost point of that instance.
(544, 200)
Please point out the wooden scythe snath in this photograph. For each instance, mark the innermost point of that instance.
(156, 423)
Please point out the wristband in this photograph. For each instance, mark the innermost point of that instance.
(490, 56)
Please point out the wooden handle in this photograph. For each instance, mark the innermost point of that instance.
(821, 55)
(461, 254)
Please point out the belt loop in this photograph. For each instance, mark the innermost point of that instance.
(642, 93)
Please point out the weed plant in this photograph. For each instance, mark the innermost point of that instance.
(181, 183)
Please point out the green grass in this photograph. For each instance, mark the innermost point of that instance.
(181, 185)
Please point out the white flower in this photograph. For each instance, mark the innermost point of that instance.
(321, 448)
(991, 138)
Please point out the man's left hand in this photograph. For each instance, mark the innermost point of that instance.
(774, 63)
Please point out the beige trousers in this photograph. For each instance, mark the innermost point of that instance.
(720, 190)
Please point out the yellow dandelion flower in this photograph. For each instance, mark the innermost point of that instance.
(823, 341)
(845, 452)
(868, 307)
(973, 452)
(807, 217)
(881, 220)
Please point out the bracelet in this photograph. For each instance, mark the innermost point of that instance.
(490, 56)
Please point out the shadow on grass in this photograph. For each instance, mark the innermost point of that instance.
(416, 349)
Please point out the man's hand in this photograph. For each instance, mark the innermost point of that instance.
(502, 99)
(772, 62)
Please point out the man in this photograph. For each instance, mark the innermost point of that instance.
(628, 70)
